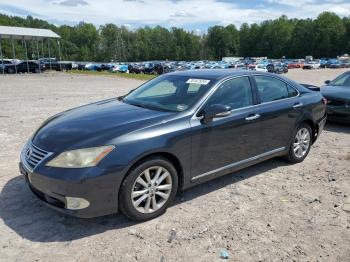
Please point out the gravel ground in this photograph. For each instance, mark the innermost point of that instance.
(273, 211)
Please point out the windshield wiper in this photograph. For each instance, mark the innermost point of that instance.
(147, 106)
(136, 104)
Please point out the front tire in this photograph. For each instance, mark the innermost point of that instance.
(301, 144)
(148, 189)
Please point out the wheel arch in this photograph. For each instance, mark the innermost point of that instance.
(313, 126)
(170, 157)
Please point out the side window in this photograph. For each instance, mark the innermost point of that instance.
(342, 80)
(272, 89)
(235, 93)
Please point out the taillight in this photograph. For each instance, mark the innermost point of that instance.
(324, 101)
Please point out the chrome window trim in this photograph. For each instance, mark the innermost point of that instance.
(244, 161)
(216, 86)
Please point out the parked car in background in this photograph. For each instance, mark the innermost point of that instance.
(135, 68)
(277, 68)
(299, 63)
(54, 64)
(324, 62)
(121, 68)
(92, 67)
(133, 153)
(345, 64)
(292, 65)
(240, 66)
(4, 63)
(24, 67)
(260, 68)
(311, 65)
(337, 93)
(335, 64)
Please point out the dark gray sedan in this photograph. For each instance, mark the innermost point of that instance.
(337, 93)
(134, 153)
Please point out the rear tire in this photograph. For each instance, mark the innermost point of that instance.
(301, 144)
(149, 189)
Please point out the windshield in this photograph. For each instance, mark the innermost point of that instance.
(342, 80)
(169, 93)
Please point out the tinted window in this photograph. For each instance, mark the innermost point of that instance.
(292, 92)
(272, 89)
(170, 92)
(193, 88)
(342, 80)
(235, 93)
(160, 89)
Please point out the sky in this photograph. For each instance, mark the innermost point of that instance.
(193, 15)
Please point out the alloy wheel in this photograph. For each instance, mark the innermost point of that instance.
(301, 142)
(151, 189)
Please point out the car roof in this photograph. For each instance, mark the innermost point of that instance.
(214, 73)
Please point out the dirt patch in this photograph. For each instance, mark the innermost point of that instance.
(272, 211)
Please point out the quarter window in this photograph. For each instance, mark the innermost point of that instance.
(272, 89)
(292, 92)
(235, 93)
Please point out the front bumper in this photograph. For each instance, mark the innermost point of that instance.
(98, 187)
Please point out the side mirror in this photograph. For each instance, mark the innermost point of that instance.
(327, 82)
(215, 111)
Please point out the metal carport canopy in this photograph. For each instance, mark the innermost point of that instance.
(24, 33)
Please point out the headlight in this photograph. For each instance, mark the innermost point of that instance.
(80, 158)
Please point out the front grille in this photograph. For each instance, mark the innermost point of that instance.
(34, 155)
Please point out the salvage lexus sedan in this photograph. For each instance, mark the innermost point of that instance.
(134, 153)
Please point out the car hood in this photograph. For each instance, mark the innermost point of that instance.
(342, 92)
(94, 125)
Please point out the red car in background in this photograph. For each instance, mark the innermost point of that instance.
(293, 65)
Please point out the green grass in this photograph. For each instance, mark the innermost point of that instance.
(106, 73)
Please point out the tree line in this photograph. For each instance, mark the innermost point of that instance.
(326, 36)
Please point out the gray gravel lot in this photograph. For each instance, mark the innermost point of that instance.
(273, 211)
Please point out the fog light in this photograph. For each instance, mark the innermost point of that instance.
(75, 203)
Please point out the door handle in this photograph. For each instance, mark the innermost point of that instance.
(298, 104)
(252, 117)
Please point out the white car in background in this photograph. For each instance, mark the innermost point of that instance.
(312, 65)
(260, 68)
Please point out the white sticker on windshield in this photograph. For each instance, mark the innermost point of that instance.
(198, 81)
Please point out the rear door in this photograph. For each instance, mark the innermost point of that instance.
(280, 107)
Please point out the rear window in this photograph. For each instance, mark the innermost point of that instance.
(272, 89)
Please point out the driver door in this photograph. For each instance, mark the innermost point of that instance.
(219, 144)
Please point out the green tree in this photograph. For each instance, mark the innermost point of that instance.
(326, 36)
(329, 32)
(302, 41)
